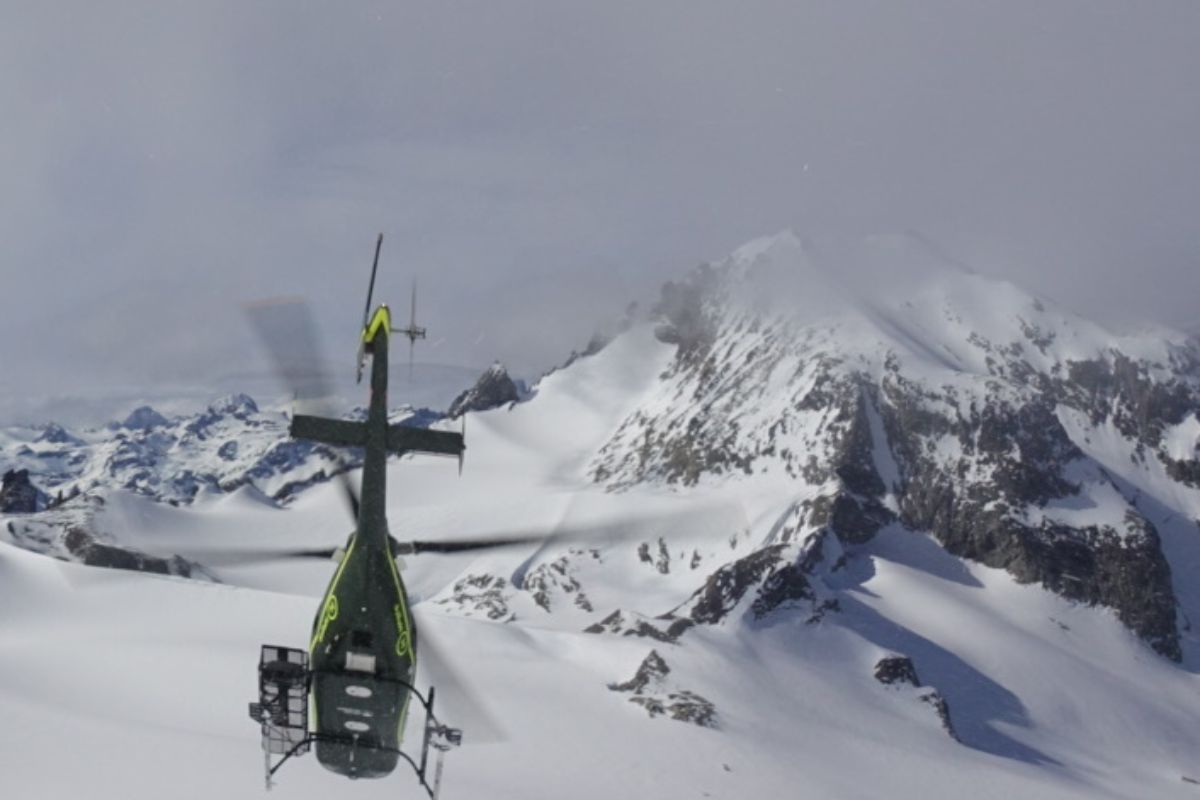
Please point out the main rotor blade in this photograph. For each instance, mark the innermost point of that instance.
(455, 703)
(287, 330)
(349, 493)
(468, 545)
(619, 529)
(371, 285)
(234, 557)
(289, 333)
(712, 519)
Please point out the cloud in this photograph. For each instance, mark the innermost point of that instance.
(538, 165)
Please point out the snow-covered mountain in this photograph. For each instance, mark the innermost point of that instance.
(1018, 434)
(914, 537)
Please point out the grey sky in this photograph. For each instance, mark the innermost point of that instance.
(538, 165)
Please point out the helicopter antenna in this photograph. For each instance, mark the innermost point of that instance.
(413, 331)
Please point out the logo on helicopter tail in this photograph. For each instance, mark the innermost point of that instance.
(329, 612)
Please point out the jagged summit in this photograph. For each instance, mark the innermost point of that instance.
(493, 389)
(143, 418)
(56, 434)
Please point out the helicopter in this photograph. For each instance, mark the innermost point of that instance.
(348, 694)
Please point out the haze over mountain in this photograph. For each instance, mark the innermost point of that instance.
(537, 165)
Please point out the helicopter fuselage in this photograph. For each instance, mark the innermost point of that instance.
(364, 643)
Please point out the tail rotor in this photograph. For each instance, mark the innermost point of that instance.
(413, 331)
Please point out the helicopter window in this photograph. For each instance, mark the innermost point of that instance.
(361, 639)
(361, 692)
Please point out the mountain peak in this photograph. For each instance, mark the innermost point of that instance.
(493, 389)
(143, 418)
(236, 404)
(784, 242)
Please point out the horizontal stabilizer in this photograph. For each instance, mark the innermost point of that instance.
(403, 439)
(338, 432)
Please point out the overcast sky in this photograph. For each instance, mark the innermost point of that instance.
(539, 165)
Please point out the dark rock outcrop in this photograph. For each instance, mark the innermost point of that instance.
(480, 594)
(650, 691)
(934, 698)
(775, 579)
(84, 546)
(898, 670)
(666, 628)
(18, 495)
(557, 578)
(493, 389)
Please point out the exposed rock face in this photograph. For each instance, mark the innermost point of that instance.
(934, 698)
(899, 671)
(666, 628)
(896, 669)
(493, 389)
(480, 595)
(545, 581)
(98, 554)
(771, 578)
(767, 572)
(650, 689)
(18, 495)
(966, 412)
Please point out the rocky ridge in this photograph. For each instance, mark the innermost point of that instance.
(493, 389)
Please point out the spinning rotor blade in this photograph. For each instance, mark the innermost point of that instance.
(455, 704)
(615, 530)
(288, 332)
(234, 557)
(468, 545)
(371, 285)
(707, 521)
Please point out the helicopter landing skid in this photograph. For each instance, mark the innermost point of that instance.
(282, 711)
